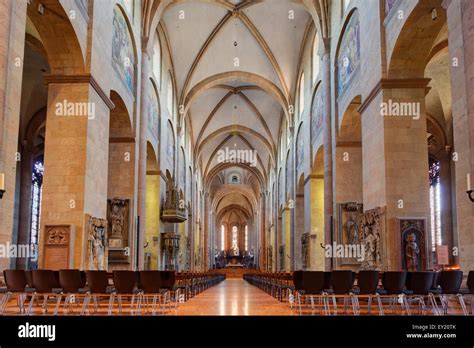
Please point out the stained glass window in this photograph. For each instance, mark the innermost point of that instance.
(36, 193)
(435, 203)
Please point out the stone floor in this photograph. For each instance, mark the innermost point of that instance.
(234, 297)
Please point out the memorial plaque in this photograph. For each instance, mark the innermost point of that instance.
(58, 247)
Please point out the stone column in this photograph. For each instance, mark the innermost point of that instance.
(395, 157)
(261, 231)
(12, 43)
(461, 52)
(314, 220)
(142, 153)
(327, 142)
(75, 160)
(205, 241)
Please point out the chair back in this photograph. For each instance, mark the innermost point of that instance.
(450, 281)
(327, 280)
(15, 280)
(470, 281)
(124, 281)
(44, 280)
(97, 281)
(313, 282)
(168, 279)
(368, 282)
(342, 282)
(150, 281)
(421, 282)
(70, 280)
(394, 282)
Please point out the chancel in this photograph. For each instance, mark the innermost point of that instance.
(236, 157)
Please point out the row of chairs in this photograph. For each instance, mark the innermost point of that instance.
(427, 289)
(160, 289)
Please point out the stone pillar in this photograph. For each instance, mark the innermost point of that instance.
(461, 52)
(205, 241)
(261, 231)
(142, 153)
(75, 160)
(12, 43)
(327, 142)
(395, 157)
(314, 221)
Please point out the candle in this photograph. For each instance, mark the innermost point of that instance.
(2, 181)
(469, 182)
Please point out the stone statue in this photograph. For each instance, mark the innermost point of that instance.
(352, 227)
(98, 248)
(370, 246)
(411, 253)
(372, 227)
(97, 231)
(281, 252)
(117, 218)
(270, 257)
(305, 250)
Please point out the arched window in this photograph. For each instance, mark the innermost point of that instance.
(170, 97)
(222, 237)
(36, 195)
(235, 239)
(235, 179)
(301, 97)
(316, 58)
(435, 204)
(157, 59)
(246, 238)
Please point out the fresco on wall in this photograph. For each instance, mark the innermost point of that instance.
(153, 115)
(170, 146)
(317, 116)
(300, 148)
(123, 56)
(349, 53)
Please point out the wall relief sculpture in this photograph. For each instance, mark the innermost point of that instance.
(58, 246)
(270, 258)
(305, 250)
(281, 256)
(413, 244)
(118, 222)
(349, 233)
(96, 231)
(171, 250)
(188, 253)
(372, 237)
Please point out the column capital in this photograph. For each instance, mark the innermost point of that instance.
(409, 83)
(81, 78)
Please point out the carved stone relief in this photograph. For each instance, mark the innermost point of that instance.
(58, 247)
(305, 250)
(372, 239)
(118, 222)
(96, 231)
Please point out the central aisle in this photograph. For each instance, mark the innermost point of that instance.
(234, 297)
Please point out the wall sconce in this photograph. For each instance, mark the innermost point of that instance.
(469, 191)
(2, 184)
